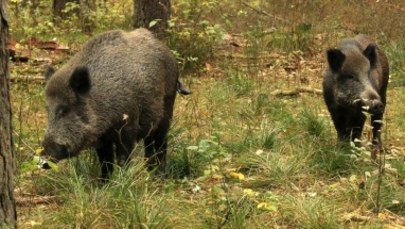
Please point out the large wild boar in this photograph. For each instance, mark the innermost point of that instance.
(119, 89)
(356, 82)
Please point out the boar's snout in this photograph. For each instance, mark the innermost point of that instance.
(53, 151)
(371, 102)
(376, 107)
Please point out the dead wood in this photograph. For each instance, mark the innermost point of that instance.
(296, 91)
(35, 200)
(35, 79)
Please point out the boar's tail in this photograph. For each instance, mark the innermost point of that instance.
(182, 89)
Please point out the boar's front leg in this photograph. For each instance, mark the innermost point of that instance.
(376, 123)
(340, 122)
(349, 127)
(106, 156)
(356, 124)
(124, 146)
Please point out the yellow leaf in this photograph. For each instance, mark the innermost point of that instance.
(259, 152)
(39, 150)
(33, 223)
(353, 178)
(396, 202)
(236, 175)
(381, 216)
(214, 168)
(222, 207)
(261, 205)
(249, 192)
(266, 206)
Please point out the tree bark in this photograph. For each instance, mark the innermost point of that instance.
(8, 215)
(59, 5)
(82, 12)
(146, 11)
(86, 7)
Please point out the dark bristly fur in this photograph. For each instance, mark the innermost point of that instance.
(356, 82)
(119, 89)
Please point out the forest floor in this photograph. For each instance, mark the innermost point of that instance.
(253, 146)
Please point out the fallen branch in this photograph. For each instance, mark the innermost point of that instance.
(296, 91)
(30, 200)
(39, 79)
(264, 12)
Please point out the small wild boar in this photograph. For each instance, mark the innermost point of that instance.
(119, 89)
(356, 82)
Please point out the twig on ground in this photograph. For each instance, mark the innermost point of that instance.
(264, 12)
(296, 91)
(381, 166)
(38, 79)
(30, 200)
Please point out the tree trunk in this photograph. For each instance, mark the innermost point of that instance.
(146, 11)
(82, 11)
(8, 213)
(86, 7)
(59, 5)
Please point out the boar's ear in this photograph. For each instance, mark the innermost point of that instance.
(335, 59)
(49, 72)
(80, 80)
(371, 53)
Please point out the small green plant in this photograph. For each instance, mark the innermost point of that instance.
(210, 149)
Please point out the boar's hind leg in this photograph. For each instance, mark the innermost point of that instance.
(124, 146)
(376, 123)
(156, 147)
(106, 156)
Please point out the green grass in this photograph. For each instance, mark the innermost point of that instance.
(310, 212)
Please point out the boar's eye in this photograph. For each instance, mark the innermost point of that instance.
(350, 77)
(62, 111)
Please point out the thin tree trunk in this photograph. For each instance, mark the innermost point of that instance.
(86, 7)
(59, 5)
(147, 11)
(8, 213)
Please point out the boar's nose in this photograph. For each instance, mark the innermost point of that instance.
(53, 151)
(376, 107)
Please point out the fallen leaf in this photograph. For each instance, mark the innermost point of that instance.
(236, 175)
